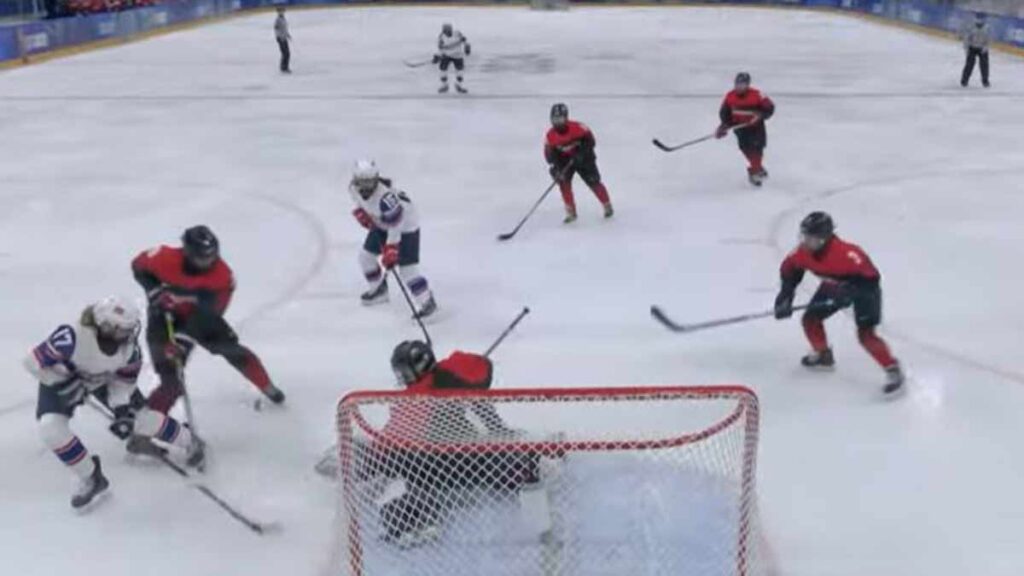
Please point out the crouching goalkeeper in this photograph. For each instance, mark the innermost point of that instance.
(429, 457)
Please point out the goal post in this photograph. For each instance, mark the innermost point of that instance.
(552, 482)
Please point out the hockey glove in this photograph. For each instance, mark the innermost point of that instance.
(469, 49)
(166, 301)
(558, 172)
(436, 59)
(722, 131)
(124, 422)
(363, 217)
(784, 305)
(390, 256)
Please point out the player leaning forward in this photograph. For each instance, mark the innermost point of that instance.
(569, 150)
(849, 278)
(189, 288)
(452, 50)
(98, 355)
(392, 237)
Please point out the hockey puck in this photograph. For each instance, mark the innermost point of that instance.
(257, 405)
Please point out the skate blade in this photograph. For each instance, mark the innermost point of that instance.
(375, 302)
(97, 500)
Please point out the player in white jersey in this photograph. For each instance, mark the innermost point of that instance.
(452, 50)
(98, 355)
(393, 237)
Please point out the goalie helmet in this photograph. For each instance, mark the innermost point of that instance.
(816, 229)
(202, 249)
(114, 319)
(365, 177)
(411, 360)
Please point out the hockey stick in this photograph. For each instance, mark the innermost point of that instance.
(180, 367)
(415, 312)
(554, 182)
(418, 63)
(257, 527)
(667, 322)
(666, 148)
(507, 331)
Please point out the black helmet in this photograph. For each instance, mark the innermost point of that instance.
(411, 360)
(817, 224)
(201, 246)
(742, 78)
(559, 114)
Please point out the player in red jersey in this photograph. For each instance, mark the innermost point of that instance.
(848, 279)
(745, 110)
(422, 484)
(569, 150)
(190, 287)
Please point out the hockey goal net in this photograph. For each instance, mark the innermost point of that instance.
(552, 482)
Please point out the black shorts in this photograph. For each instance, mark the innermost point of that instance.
(752, 139)
(59, 399)
(408, 248)
(866, 300)
(446, 62)
(587, 170)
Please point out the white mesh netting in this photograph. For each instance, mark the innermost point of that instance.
(591, 482)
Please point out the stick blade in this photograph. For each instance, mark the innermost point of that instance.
(660, 145)
(506, 236)
(658, 314)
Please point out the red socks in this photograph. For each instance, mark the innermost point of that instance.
(815, 331)
(599, 190)
(875, 346)
(567, 196)
(755, 159)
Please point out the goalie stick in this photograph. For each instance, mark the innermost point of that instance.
(554, 182)
(260, 528)
(674, 326)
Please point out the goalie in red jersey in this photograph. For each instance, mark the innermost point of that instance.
(569, 150)
(744, 110)
(188, 290)
(848, 279)
(427, 453)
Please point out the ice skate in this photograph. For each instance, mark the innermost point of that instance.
(274, 394)
(443, 89)
(822, 360)
(92, 487)
(427, 310)
(195, 456)
(570, 215)
(417, 537)
(144, 446)
(377, 295)
(895, 381)
(608, 210)
(461, 89)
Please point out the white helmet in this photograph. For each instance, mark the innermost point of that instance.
(116, 318)
(365, 177)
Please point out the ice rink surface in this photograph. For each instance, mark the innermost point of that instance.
(111, 152)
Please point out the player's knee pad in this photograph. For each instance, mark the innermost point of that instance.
(55, 430)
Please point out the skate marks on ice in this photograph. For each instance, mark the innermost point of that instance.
(783, 218)
(523, 63)
(244, 94)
